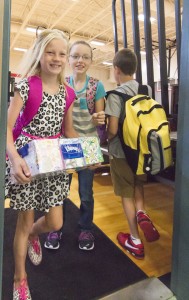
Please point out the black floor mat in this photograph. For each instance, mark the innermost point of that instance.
(70, 273)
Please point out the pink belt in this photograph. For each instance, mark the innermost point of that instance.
(35, 137)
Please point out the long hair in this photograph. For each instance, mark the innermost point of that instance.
(30, 65)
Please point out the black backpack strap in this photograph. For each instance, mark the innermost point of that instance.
(124, 96)
(143, 89)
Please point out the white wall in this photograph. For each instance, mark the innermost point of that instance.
(173, 69)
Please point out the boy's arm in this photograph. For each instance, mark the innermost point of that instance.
(113, 111)
(112, 126)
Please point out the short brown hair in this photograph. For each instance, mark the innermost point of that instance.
(126, 60)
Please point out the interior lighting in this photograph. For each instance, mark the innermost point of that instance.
(107, 63)
(141, 18)
(20, 49)
(33, 30)
(97, 43)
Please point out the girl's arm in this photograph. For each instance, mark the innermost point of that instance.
(69, 130)
(98, 117)
(20, 168)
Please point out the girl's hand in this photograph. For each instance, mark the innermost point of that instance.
(21, 171)
(95, 166)
(98, 118)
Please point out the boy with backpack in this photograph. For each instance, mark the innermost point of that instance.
(127, 184)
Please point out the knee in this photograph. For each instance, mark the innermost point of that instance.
(55, 225)
(54, 218)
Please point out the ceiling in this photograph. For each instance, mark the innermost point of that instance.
(82, 19)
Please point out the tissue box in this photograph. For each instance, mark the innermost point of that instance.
(43, 157)
(48, 157)
(91, 150)
(72, 153)
(80, 152)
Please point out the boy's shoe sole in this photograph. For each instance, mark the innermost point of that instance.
(125, 241)
(150, 232)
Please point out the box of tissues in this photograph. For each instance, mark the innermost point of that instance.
(42, 157)
(72, 153)
(80, 152)
(48, 157)
(91, 150)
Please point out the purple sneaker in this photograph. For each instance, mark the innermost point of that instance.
(53, 240)
(86, 240)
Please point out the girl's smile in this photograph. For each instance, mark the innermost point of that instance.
(54, 57)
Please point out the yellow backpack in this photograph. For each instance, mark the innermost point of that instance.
(144, 134)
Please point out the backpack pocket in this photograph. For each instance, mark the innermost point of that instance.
(160, 156)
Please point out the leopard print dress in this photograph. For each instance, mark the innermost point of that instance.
(43, 193)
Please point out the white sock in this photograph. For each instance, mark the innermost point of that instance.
(140, 210)
(135, 241)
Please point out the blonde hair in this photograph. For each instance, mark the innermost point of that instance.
(31, 62)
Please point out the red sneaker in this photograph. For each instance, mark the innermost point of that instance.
(126, 242)
(150, 232)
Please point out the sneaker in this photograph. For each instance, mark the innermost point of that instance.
(53, 240)
(86, 240)
(126, 242)
(22, 292)
(150, 232)
(35, 251)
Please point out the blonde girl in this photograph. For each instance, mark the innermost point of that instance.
(46, 59)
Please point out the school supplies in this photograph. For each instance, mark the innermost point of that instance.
(49, 157)
(80, 152)
(144, 134)
(33, 102)
(42, 157)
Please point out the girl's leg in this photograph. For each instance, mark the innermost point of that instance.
(85, 178)
(52, 221)
(23, 228)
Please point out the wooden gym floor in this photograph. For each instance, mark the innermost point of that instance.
(109, 217)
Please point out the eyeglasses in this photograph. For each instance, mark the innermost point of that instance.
(84, 57)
